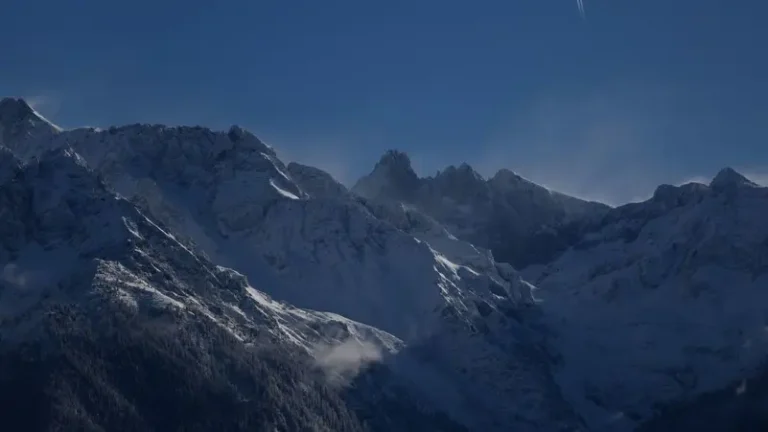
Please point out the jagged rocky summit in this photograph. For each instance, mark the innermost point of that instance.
(521, 222)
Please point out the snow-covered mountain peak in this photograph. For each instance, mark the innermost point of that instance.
(511, 216)
(506, 182)
(729, 178)
(395, 160)
(244, 137)
(236, 133)
(77, 259)
(672, 196)
(506, 176)
(463, 174)
(18, 120)
(392, 178)
(85, 276)
(228, 175)
(16, 108)
(56, 203)
(669, 292)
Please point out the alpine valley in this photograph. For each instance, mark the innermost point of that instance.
(162, 278)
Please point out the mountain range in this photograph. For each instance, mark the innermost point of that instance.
(179, 278)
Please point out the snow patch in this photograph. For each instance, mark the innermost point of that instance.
(55, 127)
(282, 191)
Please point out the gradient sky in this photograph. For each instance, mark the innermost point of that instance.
(636, 94)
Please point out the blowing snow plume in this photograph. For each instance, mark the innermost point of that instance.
(12, 276)
(342, 362)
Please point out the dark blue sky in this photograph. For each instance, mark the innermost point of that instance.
(636, 94)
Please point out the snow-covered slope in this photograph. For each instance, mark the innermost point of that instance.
(316, 182)
(520, 221)
(226, 196)
(59, 219)
(647, 305)
(662, 300)
(82, 266)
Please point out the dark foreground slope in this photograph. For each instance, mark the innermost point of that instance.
(742, 407)
(118, 373)
(115, 372)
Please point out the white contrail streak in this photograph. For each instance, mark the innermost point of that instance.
(580, 3)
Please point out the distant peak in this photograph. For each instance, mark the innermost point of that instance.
(395, 158)
(464, 172)
(16, 111)
(397, 165)
(467, 169)
(14, 107)
(505, 179)
(245, 139)
(236, 133)
(392, 177)
(729, 177)
(506, 176)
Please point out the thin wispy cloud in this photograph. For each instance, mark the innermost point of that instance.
(343, 361)
(13, 276)
(331, 154)
(48, 104)
(604, 145)
(758, 176)
(580, 4)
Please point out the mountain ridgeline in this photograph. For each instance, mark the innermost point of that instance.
(521, 222)
(162, 278)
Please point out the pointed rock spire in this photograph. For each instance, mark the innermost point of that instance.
(729, 178)
(393, 177)
(19, 122)
(14, 108)
(396, 160)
